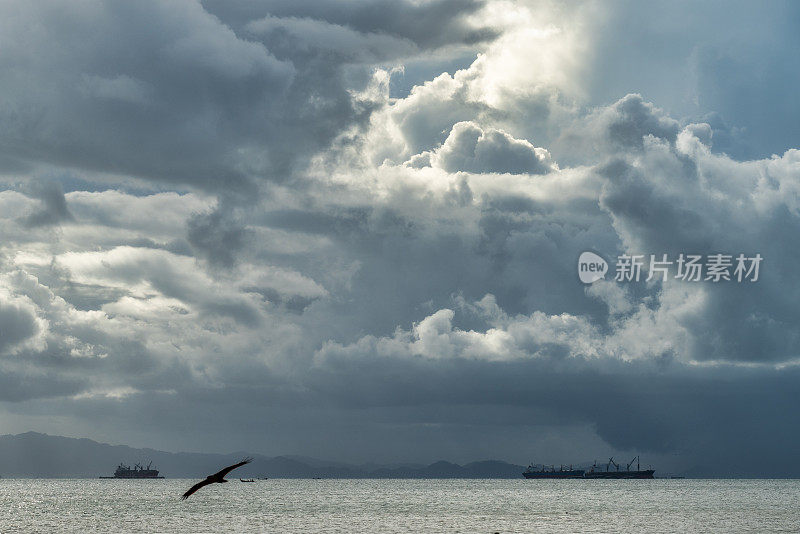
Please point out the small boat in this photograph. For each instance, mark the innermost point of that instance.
(246, 480)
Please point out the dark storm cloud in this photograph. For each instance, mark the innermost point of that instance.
(17, 324)
(631, 119)
(427, 24)
(17, 386)
(168, 91)
(54, 206)
(58, 372)
(644, 406)
(191, 96)
(217, 237)
(706, 420)
(347, 220)
(406, 261)
(662, 219)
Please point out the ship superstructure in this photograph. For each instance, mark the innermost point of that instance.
(597, 471)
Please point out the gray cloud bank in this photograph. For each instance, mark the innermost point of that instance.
(219, 214)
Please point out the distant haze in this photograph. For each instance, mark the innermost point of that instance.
(39, 455)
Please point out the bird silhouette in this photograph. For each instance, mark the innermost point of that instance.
(218, 477)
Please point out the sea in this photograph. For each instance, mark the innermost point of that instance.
(375, 506)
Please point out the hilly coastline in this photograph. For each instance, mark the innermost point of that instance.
(38, 455)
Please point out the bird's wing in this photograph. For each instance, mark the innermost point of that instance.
(195, 488)
(223, 472)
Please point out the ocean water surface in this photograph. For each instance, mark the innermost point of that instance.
(317, 506)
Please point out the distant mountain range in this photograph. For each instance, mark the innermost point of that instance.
(42, 456)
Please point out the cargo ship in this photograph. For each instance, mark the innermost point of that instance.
(594, 471)
(138, 471)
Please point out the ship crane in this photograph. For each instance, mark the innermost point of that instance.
(610, 462)
(636, 458)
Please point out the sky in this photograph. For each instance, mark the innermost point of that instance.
(351, 230)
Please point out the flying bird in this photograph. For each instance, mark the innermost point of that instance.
(216, 477)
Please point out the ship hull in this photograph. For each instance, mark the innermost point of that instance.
(577, 473)
(647, 473)
(604, 475)
(135, 478)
